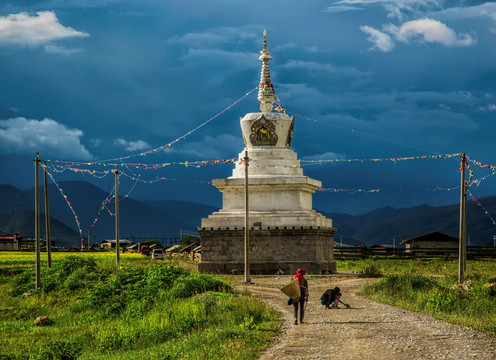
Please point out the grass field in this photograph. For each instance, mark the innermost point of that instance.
(431, 286)
(155, 310)
(434, 267)
(146, 309)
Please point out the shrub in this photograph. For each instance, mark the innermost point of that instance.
(59, 350)
(23, 283)
(163, 277)
(419, 282)
(440, 301)
(71, 273)
(133, 290)
(195, 284)
(71, 263)
(371, 270)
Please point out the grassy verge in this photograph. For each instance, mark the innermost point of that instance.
(473, 304)
(430, 267)
(156, 311)
(430, 286)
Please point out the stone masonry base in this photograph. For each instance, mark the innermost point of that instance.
(271, 250)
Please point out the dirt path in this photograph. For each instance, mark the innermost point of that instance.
(368, 330)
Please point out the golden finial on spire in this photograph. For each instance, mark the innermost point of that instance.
(265, 89)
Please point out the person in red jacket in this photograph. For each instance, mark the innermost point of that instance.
(300, 303)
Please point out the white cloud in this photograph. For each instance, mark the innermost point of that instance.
(95, 142)
(41, 29)
(489, 107)
(137, 145)
(285, 46)
(211, 147)
(325, 156)
(56, 49)
(293, 46)
(477, 12)
(316, 67)
(312, 49)
(26, 136)
(396, 8)
(216, 37)
(381, 41)
(487, 9)
(341, 8)
(429, 30)
(199, 40)
(444, 106)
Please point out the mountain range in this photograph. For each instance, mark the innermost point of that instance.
(168, 218)
(389, 226)
(138, 219)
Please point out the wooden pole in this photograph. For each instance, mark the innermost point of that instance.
(117, 245)
(37, 219)
(47, 220)
(463, 229)
(247, 231)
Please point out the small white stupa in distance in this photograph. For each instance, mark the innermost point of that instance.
(285, 232)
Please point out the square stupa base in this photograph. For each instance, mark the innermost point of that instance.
(272, 250)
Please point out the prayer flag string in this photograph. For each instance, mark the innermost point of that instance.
(349, 191)
(83, 167)
(464, 160)
(78, 223)
(168, 145)
(355, 131)
(478, 163)
(393, 159)
(482, 207)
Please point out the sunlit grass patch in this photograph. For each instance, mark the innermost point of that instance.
(154, 311)
(471, 304)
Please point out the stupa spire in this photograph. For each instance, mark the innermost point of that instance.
(265, 89)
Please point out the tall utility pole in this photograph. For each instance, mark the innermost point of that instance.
(462, 246)
(117, 245)
(247, 231)
(37, 219)
(47, 220)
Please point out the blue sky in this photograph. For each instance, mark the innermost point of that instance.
(86, 80)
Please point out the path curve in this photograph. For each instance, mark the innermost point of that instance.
(368, 330)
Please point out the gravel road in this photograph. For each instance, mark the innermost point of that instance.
(367, 330)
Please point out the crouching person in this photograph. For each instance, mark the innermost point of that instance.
(330, 298)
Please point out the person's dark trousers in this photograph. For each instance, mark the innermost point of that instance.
(326, 304)
(299, 304)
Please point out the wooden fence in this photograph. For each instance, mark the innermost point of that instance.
(357, 253)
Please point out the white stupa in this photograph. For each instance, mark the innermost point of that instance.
(285, 232)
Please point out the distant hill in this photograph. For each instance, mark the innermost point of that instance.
(382, 225)
(166, 218)
(190, 213)
(136, 218)
(23, 222)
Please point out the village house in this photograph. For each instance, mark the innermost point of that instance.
(110, 244)
(432, 243)
(11, 242)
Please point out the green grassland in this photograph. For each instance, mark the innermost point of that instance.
(146, 309)
(431, 286)
(160, 310)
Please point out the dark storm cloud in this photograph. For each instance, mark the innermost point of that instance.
(364, 79)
